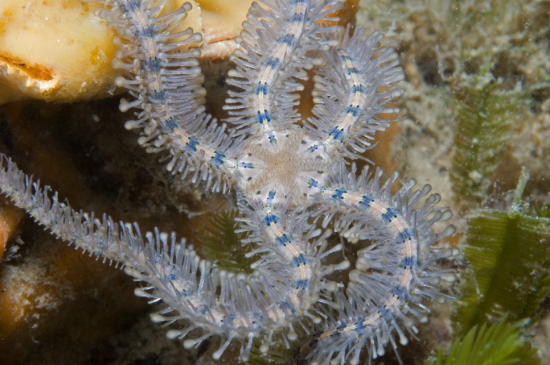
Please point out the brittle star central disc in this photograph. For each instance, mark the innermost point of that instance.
(280, 170)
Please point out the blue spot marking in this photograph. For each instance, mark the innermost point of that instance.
(313, 183)
(343, 57)
(263, 117)
(271, 195)
(390, 215)
(354, 110)
(273, 62)
(299, 260)
(366, 201)
(247, 165)
(147, 32)
(408, 262)
(404, 236)
(192, 143)
(297, 18)
(359, 324)
(335, 133)
(352, 71)
(301, 284)
(261, 88)
(339, 194)
(288, 39)
(270, 219)
(383, 310)
(313, 148)
(357, 89)
(153, 64)
(283, 240)
(218, 157)
(272, 139)
(133, 5)
(158, 95)
(399, 291)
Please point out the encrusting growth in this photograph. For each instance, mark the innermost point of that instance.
(293, 187)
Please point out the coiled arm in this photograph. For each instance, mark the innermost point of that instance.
(392, 276)
(351, 94)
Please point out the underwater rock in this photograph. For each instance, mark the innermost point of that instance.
(61, 51)
(54, 51)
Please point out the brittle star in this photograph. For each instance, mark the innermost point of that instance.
(293, 186)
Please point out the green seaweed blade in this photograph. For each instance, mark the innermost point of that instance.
(222, 245)
(509, 256)
(484, 119)
(499, 344)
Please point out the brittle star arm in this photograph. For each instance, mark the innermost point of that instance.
(164, 76)
(278, 294)
(391, 276)
(272, 56)
(351, 95)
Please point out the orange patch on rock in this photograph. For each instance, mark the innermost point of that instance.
(35, 71)
(381, 154)
(10, 216)
(10, 314)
